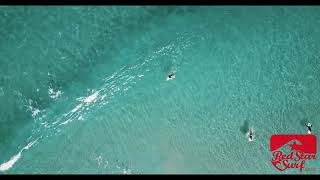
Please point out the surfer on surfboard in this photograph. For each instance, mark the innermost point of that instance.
(171, 76)
(250, 135)
(309, 125)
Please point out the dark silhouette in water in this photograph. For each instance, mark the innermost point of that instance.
(246, 130)
(245, 127)
(309, 125)
(306, 123)
(250, 134)
(170, 75)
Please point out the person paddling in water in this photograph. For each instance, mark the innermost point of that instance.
(309, 125)
(171, 76)
(250, 135)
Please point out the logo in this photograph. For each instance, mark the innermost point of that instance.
(292, 151)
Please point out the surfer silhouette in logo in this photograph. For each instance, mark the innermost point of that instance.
(295, 146)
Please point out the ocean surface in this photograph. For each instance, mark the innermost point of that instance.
(83, 88)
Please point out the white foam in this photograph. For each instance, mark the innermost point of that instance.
(66, 122)
(99, 160)
(50, 91)
(126, 171)
(9, 164)
(45, 124)
(76, 108)
(35, 112)
(91, 98)
(104, 96)
(30, 144)
(54, 94)
(140, 75)
(164, 48)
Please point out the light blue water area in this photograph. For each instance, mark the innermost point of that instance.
(84, 90)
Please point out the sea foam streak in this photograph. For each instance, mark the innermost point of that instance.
(108, 89)
(7, 165)
(91, 98)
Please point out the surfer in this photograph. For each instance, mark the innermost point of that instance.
(309, 125)
(250, 135)
(170, 76)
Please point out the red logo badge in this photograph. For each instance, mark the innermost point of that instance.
(292, 151)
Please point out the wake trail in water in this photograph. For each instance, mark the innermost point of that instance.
(115, 85)
(7, 165)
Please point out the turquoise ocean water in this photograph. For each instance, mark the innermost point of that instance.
(84, 90)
